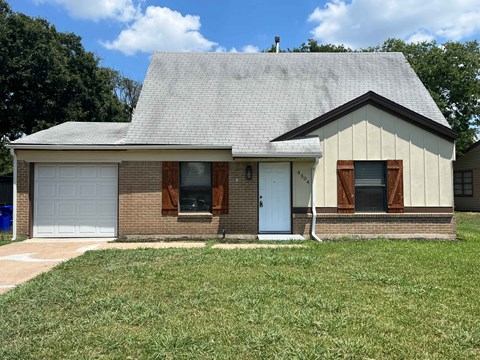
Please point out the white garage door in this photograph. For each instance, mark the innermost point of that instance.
(75, 200)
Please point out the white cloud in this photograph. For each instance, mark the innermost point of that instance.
(161, 29)
(121, 10)
(420, 36)
(245, 49)
(361, 23)
(250, 49)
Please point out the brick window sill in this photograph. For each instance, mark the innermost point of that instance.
(195, 215)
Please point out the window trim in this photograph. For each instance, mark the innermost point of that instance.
(384, 186)
(193, 213)
(462, 172)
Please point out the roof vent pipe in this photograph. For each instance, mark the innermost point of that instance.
(277, 44)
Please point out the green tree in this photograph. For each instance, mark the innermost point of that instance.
(313, 46)
(47, 77)
(128, 91)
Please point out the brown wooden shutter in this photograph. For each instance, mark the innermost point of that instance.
(170, 187)
(220, 187)
(345, 186)
(395, 186)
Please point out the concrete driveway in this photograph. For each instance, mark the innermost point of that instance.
(22, 261)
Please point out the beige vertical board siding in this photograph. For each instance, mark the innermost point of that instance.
(445, 173)
(345, 132)
(388, 137)
(302, 188)
(402, 151)
(330, 158)
(359, 137)
(320, 174)
(369, 133)
(432, 183)
(374, 133)
(417, 167)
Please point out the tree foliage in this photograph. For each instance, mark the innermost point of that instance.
(47, 78)
(450, 72)
(128, 91)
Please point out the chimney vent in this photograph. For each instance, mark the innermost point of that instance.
(277, 44)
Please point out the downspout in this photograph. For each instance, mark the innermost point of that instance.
(14, 215)
(314, 210)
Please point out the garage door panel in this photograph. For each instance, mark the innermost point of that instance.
(106, 191)
(88, 190)
(106, 227)
(78, 201)
(66, 191)
(108, 172)
(66, 172)
(66, 228)
(45, 172)
(87, 228)
(45, 209)
(45, 191)
(45, 227)
(86, 209)
(66, 209)
(88, 172)
(107, 210)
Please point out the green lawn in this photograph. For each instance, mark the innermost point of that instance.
(338, 300)
(5, 238)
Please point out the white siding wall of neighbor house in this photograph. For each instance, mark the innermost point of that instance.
(471, 161)
(369, 133)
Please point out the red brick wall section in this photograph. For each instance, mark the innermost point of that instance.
(23, 204)
(331, 226)
(140, 204)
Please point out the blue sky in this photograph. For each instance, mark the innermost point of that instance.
(124, 33)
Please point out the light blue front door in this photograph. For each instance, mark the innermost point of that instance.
(274, 200)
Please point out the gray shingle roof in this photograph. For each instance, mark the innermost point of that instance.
(304, 147)
(79, 133)
(243, 101)
(246, 100)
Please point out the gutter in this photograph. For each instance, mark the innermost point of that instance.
(314, 209)
(276, 155)
(14, 215)
(116, 147)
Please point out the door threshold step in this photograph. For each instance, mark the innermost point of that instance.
(280, 237)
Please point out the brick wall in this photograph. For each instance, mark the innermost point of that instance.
(329, 226)
(140, 210)
(23, 203)
(140, 204)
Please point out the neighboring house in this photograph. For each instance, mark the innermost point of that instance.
(6, 187)
(466, 178)
(247, 144)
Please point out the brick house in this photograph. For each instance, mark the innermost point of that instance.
(466, 178)
(318, 145)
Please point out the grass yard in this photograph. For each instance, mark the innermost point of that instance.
(341, 300)
(5, 238)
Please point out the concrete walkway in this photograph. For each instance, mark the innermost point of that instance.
(22, 261)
